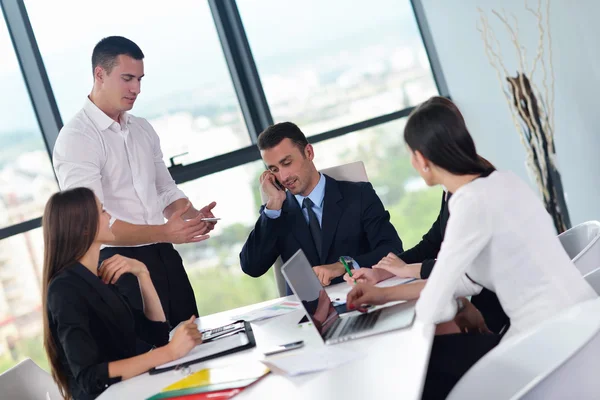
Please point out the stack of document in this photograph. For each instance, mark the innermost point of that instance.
(269, 312)
(214, 383)
(313, 360)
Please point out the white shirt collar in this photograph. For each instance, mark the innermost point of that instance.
(317, 195)
(99, 118)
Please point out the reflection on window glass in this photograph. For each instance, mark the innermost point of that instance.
(328, 64)
(187, 93)
(214, 265)
(26, 177)
(412, 205)
(20, 300)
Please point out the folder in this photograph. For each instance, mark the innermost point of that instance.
(228, 344)
(214, 383)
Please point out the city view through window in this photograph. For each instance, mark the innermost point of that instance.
(364, 63)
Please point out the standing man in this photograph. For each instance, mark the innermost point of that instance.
(118, 156)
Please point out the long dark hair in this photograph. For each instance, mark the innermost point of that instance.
(437, 129)
(70, 224)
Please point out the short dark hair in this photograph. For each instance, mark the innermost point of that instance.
(108, 49)
(437, 129)
(274, 134)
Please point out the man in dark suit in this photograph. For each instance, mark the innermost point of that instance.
(307, 210)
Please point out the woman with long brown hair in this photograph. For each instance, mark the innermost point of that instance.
(499, 236)
(92, 337)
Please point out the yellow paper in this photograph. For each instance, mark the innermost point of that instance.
(212, 376)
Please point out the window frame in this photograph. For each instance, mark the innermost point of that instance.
(243, 72)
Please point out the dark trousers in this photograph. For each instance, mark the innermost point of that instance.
(168, 276)
(451, 357)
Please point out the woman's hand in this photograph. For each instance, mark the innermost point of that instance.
(366, 294)
(470, 320)
(186, 337)
(117, 265)
(394, 265)
(367, 275)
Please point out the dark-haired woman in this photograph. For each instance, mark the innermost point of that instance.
(499, 237)
(418, 262)
(92, 337)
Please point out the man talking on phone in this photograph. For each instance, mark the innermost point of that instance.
(118, 156)
(307, 210)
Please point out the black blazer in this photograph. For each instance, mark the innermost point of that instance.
(426, 252)
(354, 224)
(92, 325)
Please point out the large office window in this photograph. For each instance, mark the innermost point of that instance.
(328, 64)
(323, 65)
(26, 177)
(187, 93)
(412, 205)
(21, 258)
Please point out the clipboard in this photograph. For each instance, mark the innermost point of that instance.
(237, 341)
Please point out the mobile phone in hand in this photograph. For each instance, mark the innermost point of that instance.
(278, 185)
(210, 219)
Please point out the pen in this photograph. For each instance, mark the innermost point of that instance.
(347, 268)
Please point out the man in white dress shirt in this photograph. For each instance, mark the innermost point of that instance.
(118, 156)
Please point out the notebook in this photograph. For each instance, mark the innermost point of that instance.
(216, 347)
(221, 382)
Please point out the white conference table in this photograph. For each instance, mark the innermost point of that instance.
(391, 365)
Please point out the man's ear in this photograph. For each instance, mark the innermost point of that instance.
(309, 152)
(99, 74)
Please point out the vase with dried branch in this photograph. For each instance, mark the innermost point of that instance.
(532, 109)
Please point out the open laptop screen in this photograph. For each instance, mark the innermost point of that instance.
(307, 287)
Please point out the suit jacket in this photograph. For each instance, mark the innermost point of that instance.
(354, 224)
(92, 325)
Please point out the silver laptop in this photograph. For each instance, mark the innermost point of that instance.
(306, 286)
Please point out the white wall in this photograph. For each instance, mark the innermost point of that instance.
(474, 86)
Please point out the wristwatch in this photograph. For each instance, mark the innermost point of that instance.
(351, 262)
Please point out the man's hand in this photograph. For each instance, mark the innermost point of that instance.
(326, 273)
(117, 265)
(275, 196)
(178, 230)
(470, 319)
(367, 275)
(206, 212)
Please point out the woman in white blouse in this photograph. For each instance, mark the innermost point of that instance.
(499, 236)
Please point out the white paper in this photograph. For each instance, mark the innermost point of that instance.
(395, 281)
(312, 360)
(211, 348)
(268, 312)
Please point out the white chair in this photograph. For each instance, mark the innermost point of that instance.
(593, 278)
(27, 381)
(582, 244)
(558, 359)
(352, 172)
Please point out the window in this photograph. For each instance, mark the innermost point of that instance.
(187, 93)
(20, 301)
(325, 65)
(412, 205)
(26, 177)
(213, 266)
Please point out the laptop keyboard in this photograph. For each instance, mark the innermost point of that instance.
(360, 323)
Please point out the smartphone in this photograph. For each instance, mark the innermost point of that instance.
(278, 185)
(284, 347)
(210, 219)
